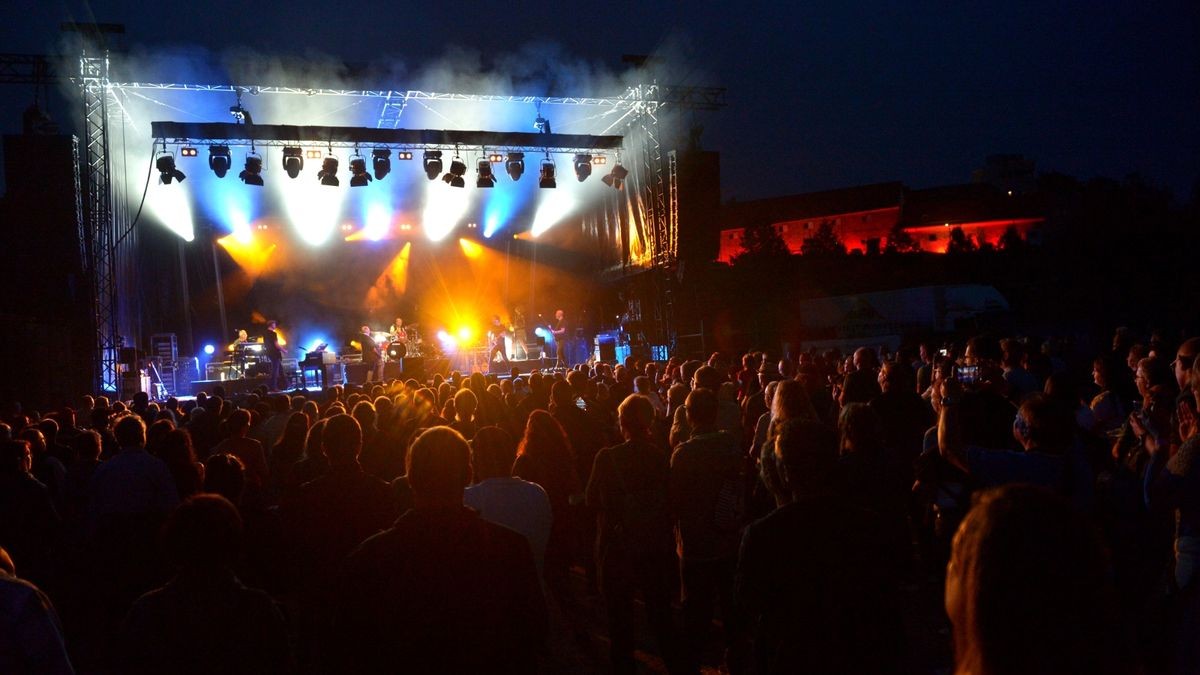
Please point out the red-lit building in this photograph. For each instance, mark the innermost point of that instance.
(864, 217)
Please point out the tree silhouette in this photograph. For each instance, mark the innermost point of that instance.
(900, 241)
(960, 242)
(824, 243)
(761, 242)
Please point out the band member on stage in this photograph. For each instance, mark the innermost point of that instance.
(371, 357)
(561, 339)
(496, 339)
(396, 332)
(274, 352)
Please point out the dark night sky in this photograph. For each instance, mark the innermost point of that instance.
(821, 95)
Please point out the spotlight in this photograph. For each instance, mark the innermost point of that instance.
(485, 177)
(358, 169)
(454, 177)
(381, 161)
(495, 158)
(252, 174)
(433, 164)
(546, 178)
(209, 349)
(293, 161)
(616, 178)
(583, 167)
(166, 169)
(328, 172)
(188, 152)
(599, 159)
(515, 166)
(404, 154)
(314, 154)
(219, 160)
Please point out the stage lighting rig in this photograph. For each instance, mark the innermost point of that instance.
(546, 177)
(583, 167)
(358, 170)
(219, 160)
(188, 152)
(515, 166)
(293, 161)
(404, 154)
(166, 169)
(458, 169)
(433, 164)
(328, 172)
(615, 179)
(313, 154)
(252, 174)
(381, 161)
(495, 158)
(484, 177)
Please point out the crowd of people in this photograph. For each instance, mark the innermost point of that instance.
(773, 515)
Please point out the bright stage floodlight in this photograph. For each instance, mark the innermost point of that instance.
(546, 177)
(515, 166)
(458, 169)
(219, 160)
(381, 161)
(484, 176)
(404, 154)
(252, 174)
(314, 154)
(188, 152)
(166, 169)
(583, 167)
(433, 164)
(615, 179)
(328, 172)
(358, 169)
(293, 161)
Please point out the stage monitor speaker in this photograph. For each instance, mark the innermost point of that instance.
(414, 367)
(607, 351)
(392, 370)
(356, 373)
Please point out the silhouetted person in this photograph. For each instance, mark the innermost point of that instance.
(814, 572)
(442, 590)
(629, 493)
(29, 522)
(31, 640)
(204, 620)
(503, 499)
(1028, 589)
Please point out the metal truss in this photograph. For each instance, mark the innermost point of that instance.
(98, 214)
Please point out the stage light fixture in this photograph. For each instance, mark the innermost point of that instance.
(293, 161)
(209, 349)
(188, 152)
(615, 179)
(381, 161)
(358, 170)
(546, 177)
(484, 178)
(583, 167)
(404, 154)
(458, 169)
(515, 166)
(252, 174)
(328, 172)
(495, 158)
(433, 164)
(219, 160)
(166, 169)
(313, 154)
(599, 159)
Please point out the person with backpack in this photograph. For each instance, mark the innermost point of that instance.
(628, 492)
(707, 500)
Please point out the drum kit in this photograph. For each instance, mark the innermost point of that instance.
(397, 348)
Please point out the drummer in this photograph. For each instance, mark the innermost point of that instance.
(396, 332)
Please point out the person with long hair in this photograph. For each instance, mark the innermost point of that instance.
(544, 457)
(287, 451)
(177, 452)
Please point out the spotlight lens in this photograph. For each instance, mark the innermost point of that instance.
(209, 349)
